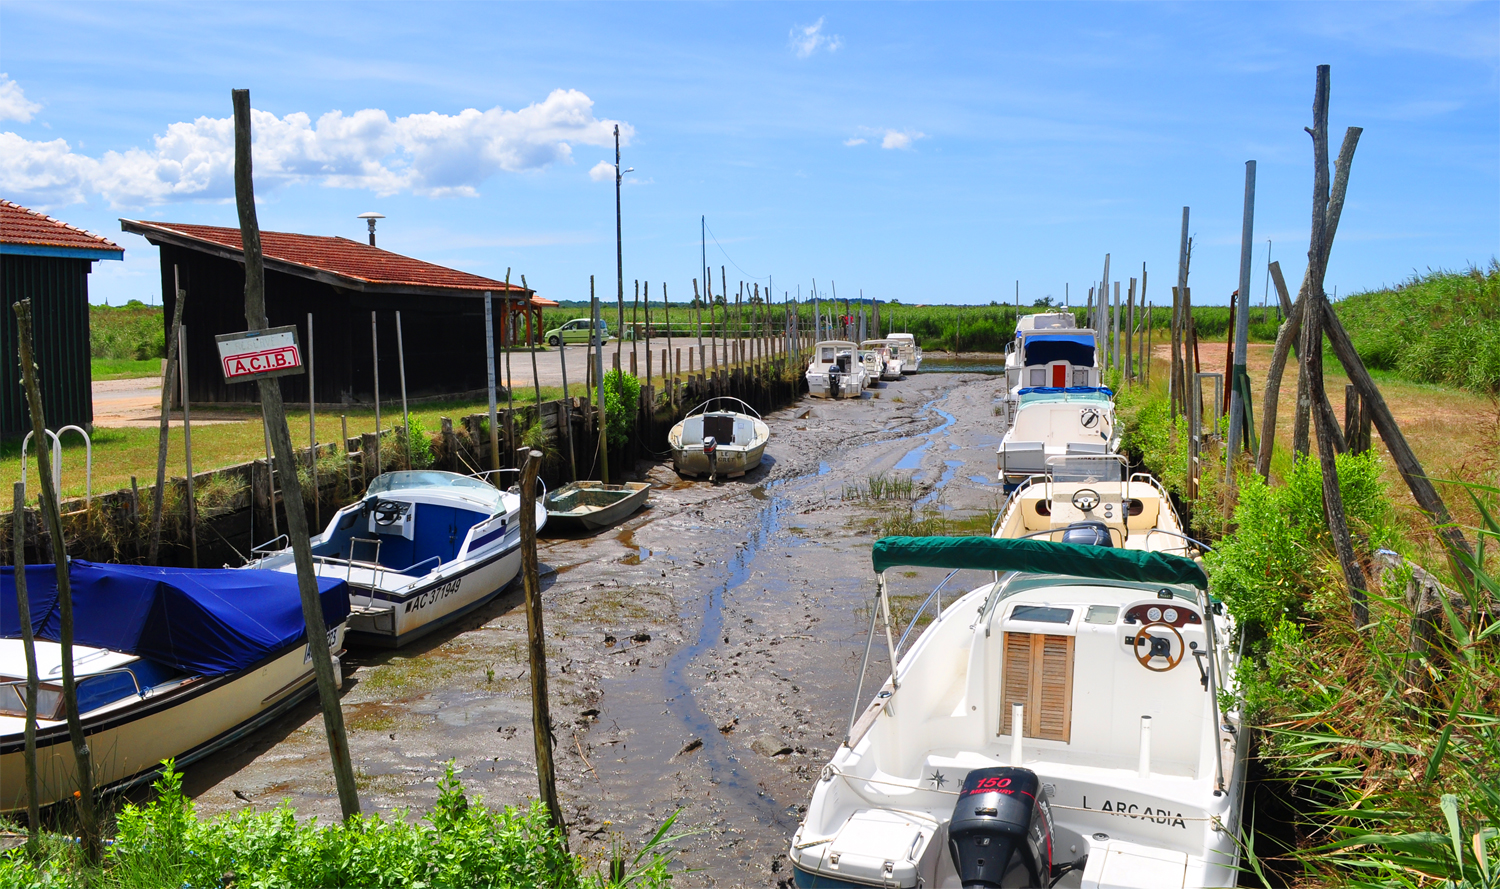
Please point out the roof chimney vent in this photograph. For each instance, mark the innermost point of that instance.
(370, 218)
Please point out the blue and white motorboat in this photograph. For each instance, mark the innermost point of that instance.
(168, 663)
(420, 549)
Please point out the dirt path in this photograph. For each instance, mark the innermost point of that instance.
(702, 656)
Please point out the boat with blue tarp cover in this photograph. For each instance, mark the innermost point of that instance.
(420, 549)
(168, 662)
(1049, 351)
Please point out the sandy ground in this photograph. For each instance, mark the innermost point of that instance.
(702, 656)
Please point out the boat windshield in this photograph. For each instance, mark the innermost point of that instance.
(1106, 468)
(424, 478)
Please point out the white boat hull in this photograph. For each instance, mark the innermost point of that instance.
(128, 741)
(732, 461)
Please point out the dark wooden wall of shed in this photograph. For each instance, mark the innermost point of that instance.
(443, 336)
(59, 293)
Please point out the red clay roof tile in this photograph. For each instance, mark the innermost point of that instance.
(340, 256)
(19, 225)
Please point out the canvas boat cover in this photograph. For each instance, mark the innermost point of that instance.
(203, 621)
(1037, 557)
(1075, 348)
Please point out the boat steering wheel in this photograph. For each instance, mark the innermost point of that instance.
(1158, 647)
(1086, 499)
(388, 512)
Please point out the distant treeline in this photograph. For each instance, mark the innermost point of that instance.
(936, 327)
(1441, 327)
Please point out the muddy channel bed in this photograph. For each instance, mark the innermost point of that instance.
(702, 656)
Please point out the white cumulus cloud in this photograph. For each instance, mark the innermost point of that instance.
(429, 154)
(900, 138)
(854, 141)
(808, 39)
(13, 102)
(602, 171)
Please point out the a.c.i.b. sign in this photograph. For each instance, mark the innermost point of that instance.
(259, 353)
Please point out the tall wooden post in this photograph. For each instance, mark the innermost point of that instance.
(489, 355)
(312, 428)
(401, 371)
(533, 342)
(1239, 378)
(1312, 356)
(168, 382)
(187, 444)
(541, 713)
(281, 439)
(1177, 381)
(598, 338)
(28, 648)
(88, 817)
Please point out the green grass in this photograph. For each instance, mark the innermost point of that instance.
(124, 368)
(134, 331)
(1442, 327)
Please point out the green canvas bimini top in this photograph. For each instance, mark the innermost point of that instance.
(1036, 557)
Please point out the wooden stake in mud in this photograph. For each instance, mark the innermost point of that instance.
(534, 340)
(312, 430)
(1177, 381)
(28, 647)
(281, 438)
(541, 711)
(401, 370)
(187, 444)
(168, 382)
(598, 339)
(88, 818)
(489, 355)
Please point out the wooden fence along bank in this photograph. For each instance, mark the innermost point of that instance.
(235, 503)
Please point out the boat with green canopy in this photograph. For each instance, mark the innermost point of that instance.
(1071, 721)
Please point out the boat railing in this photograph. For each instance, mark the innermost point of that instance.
(271, 547)
(702, 408)
(134, 679)
(485, 477)
(1012, 500)
(936, 592)
(1200, 545)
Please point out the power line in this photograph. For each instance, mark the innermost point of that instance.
(731, 259)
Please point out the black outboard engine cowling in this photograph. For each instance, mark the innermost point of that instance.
(1001, 824)
(1090, 532)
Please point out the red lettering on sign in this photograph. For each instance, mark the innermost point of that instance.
(251, 363)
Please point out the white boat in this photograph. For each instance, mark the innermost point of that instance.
(1058, 726)
(873, 365)
(835, 370)
(718, 441)
(891, 361)
(168, 663)
(1049, 352)
(906, 348)
(420, 549)
(1055, 423)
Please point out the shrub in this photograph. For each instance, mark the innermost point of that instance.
(622, 394)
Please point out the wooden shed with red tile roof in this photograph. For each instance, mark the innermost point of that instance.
(47, 261)
(341, 283)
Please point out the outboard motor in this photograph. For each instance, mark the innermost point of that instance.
(1088, 533)
(711, 451)
(1002, 825)
(834, 378)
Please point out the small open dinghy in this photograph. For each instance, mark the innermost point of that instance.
(1074, 723)
(168, 663)
(718, 443)
(590, 506)
(420, 549)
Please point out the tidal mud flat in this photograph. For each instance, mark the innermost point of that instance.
(702, 656)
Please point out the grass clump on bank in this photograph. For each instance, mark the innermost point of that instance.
(460, 843)
(1442, 327)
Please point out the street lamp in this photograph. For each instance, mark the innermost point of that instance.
(370, 218)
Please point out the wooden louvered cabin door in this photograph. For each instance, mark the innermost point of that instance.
(1038, 674)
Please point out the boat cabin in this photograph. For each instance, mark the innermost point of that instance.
(1048, 425)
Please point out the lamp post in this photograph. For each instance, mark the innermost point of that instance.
(370, 218)
(620, 291)
(619, 252)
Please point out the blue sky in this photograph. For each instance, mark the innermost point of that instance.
(928, 152)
